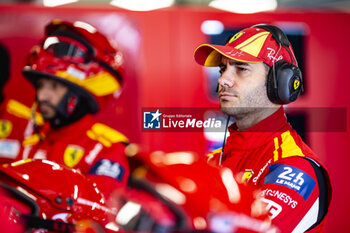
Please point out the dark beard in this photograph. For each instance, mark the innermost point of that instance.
(40, 103)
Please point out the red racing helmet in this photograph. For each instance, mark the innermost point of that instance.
(40, 194)
(79, 56)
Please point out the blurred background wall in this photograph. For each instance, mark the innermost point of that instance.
(160, 71)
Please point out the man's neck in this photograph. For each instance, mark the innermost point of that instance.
(252, 119)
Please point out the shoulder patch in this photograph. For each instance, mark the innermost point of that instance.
(106, 135)
(5, 128)
(291, 177)
(9, 148)
(31, 140)
(72, 155)
(105, 167)
(22, 111)
(285, 146)
(248, 173)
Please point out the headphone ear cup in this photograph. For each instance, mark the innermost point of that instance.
(296, 85)
(289, 83)
(270, 85)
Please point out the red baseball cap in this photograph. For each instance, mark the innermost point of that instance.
(249, 45)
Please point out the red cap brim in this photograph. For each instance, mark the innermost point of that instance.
(210, 55)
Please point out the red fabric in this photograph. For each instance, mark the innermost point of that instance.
(56, 142)
(253, 154)
(10, 140)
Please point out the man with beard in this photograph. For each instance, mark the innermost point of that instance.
(73, 69)
(259, 74)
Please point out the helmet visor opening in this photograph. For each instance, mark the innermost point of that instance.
(66, 49)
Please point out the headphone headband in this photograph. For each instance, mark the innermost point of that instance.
(285, 82)
(276, 33)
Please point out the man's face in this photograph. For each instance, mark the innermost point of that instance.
(49, 94)
(242, 87)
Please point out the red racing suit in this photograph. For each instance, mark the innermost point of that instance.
(14, 126)
(93, 148)
(271, 156)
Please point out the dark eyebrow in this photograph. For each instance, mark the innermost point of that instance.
(237, 63)
(234, 63)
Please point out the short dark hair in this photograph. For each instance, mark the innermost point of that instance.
(267, 68)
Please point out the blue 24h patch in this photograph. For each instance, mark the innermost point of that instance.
(292, 178)
(105, 167)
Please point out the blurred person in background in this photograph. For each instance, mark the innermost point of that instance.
(14, 116)
(74, 69)
(259, 74)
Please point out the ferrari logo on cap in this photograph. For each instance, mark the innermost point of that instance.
(72, 155)
(5, 128)
(235, 37)
(296, 84)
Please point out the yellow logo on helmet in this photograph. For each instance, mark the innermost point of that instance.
(296, 84)
(5, 128)
(235, 37)
(72, 155)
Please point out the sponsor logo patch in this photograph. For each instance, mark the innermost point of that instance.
(5, 128)
(288, 200)
(93, 153)
(105, 167)
(72, 155)
(273, 56)
(296, 84)
(292, 178)
(235, 37)
(9, 148)
(272, 207)
(248, 173)
(255, 179)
